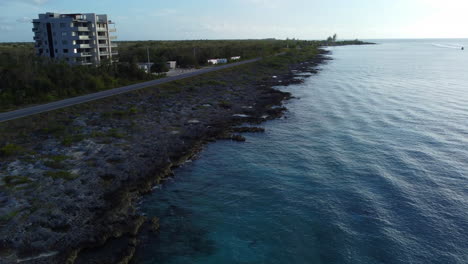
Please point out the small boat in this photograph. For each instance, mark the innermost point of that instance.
(463, 48)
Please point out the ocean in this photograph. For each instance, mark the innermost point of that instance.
(369, 165)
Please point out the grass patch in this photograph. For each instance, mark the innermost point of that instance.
(11, 150)
(58, 158)
(121, 113)
(216, 83)
(115, 133)
(65, 175)
(13, 181)
(224, 104)
(7, 217)
(68, 140)
(112, 133)
(56, 162)
(55, 129)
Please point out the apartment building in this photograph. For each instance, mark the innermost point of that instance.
(82, 39)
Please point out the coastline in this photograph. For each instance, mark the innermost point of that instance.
(165, 125)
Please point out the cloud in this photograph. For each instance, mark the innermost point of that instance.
(34, 2)
(24, 2)
(24, 20)
(272, 4)
(5, 27)
(165, 12)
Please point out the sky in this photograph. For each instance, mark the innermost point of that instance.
(242, 19)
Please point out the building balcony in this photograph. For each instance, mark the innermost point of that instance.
(114, 45)
(36, 30)
(101, 29)
(84, 37)
(113, 37)
(102, 37)
(81, 29)
(37, 38)
(85, 54)
(112, 30)
(83, 46)
(81, 54)
(103, 53)
(115, 53)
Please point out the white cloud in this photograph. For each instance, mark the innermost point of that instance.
(33, 2)
(24, 20)
(23, 3)
(266, 3)
(5, 27)
(165, 12)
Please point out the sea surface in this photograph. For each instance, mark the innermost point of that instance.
(370, 165)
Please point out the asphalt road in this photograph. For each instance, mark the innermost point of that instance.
(33, 110)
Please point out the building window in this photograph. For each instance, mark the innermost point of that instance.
(47, 50)
(56, 51)
(64, 34)
(64, 42)
(62, 25)
(65, 50)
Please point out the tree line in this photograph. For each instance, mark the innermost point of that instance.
(197, 53)
(28, 79)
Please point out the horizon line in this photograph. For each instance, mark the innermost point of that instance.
(423, 38)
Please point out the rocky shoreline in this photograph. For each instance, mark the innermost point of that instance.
(71, 179)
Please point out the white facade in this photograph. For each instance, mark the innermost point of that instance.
(146, 66)
(82, 39)
(217, 61)
(171, 65)
(213, 61)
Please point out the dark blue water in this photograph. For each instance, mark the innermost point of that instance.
(370, 166)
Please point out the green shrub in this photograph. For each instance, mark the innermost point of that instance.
(12, 181)
(224, 104)
(65, 175)
(7, 217)
(68, 140)
(11, 150)
(115, 133)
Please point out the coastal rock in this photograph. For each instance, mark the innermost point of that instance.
(79, 122)
(81, 183)
(248, 129)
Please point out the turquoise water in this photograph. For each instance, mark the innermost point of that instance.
(370, 166)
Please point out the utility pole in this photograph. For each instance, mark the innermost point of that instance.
(147, 51)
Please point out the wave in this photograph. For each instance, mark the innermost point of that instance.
(448, 46)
